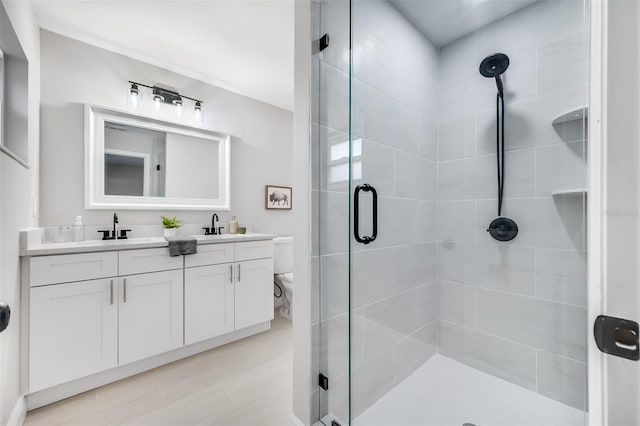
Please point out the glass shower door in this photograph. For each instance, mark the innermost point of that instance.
(424, 317)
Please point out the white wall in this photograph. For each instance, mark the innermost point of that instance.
(622, 202)
(74, 73)
(18, 192)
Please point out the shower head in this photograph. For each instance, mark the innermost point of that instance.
(493, 66)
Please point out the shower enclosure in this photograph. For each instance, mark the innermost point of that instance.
(422, 317)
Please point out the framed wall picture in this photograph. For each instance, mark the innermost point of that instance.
(277, 197)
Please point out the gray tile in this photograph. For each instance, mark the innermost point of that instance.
(333, 102)
(315, 289)
(538, 24)
(465, 96)
(561, 276)
(398, 222)
(371, 381)
(428, 301)
(334, 346)
(372, 275)
(415, 177)
(429, 137)
(333, 222)
(457, 221)
(498, 357)
(333, 163)
(335, 21)
(557, 222)
(476, 178)
(391, 123)
(334, 97)
(560, 167)
(316, 159)
(334, 285)
(457, 59)
(457, 304)
(390, 320)
(413, 351)
(457, 139)
(562, 379)
(378, 168)
(563, 64)
(337, 401)
(499, 267)
(554, 327)
(427, 225)
(528, 123)
(415, 265)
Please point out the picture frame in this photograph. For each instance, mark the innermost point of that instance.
(278, 197)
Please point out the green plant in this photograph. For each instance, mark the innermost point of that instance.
(169, 223)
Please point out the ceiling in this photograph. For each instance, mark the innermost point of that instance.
(443, 21)
(245, 46)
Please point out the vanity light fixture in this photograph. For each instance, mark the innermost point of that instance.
(134, 90)
(162, 95)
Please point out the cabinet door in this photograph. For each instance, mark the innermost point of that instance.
(73, 331)
(253, 292)
(150, 314)
(208, 302)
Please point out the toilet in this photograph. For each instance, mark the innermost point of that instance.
(283, 272)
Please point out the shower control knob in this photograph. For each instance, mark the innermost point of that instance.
(503, 229)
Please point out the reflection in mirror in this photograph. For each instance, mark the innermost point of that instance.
(150, 163)
(136, 161)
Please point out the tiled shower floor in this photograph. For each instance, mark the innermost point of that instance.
(445, 392)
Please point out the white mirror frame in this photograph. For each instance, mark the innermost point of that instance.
(94, 151)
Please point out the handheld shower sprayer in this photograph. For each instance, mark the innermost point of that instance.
(493, 66)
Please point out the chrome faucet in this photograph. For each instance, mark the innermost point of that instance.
(215, 229)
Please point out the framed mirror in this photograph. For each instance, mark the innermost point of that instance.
(141, 163)
(14, 93)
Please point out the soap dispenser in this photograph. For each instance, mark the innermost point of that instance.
(233, 225)
(78, 230)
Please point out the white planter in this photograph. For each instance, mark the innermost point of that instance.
(170, 232)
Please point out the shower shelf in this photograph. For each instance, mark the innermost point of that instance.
(573, 115)
(579, 192)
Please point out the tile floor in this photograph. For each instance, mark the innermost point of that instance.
(245, 383)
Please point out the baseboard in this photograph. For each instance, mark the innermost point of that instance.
(295, 421)
(19, 412)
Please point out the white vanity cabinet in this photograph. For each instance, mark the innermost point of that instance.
(150, 317)
(73, 331)
(222, 296)
(95, 317)
(209, 302)
(254, 292)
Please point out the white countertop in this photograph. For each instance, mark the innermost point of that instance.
(43, 249)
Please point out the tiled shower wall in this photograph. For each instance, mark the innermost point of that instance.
(423, 135)
(516, 310)
(394, 124)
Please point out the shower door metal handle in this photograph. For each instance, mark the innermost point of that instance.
(356, 213)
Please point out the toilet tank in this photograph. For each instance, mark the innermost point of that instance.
(282, 255)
